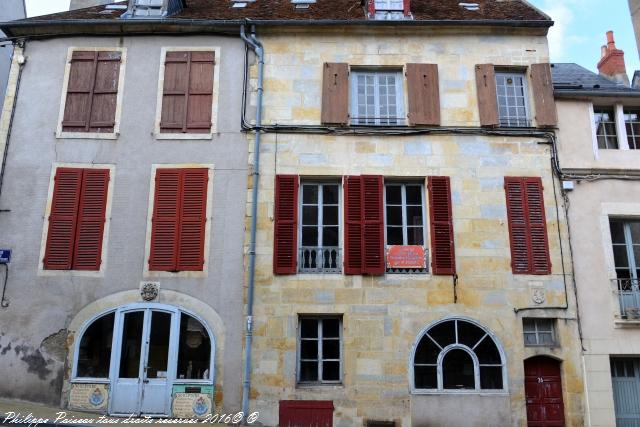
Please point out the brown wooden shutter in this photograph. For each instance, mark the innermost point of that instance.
(353, 252)
(487, 97)
(542, 85)
(527, 226)
(63, 219)
(92, 92)
(165, 220)
(373, 225)
(187, 93)
(443, 256)
(285, 239)
(91, 219)
(335, 94)
(424, 94)
(193, 218)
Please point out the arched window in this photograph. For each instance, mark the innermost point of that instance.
(94, 352)
(457, 354)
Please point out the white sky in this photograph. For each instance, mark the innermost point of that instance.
(43, 7)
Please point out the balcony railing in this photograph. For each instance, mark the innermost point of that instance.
(629, 297)
(320, 260)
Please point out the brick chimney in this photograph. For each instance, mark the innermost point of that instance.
(611, 64)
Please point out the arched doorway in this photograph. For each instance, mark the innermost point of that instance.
(543, 390)
(142, 351)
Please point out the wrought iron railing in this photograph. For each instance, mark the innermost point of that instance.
(313, 259)
(629, 297)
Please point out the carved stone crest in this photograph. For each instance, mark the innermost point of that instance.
(538, 296)
(149, 290)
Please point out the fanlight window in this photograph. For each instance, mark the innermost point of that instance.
(457, 354)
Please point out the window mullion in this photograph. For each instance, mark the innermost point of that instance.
(629, 246)
(320, 217)
(403, 202)
(376, 98)
(320, 374)
(618, 117)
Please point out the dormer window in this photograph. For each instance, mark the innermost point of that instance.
(147, 8)
(389, 9)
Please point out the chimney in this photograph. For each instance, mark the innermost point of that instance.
(611, 63)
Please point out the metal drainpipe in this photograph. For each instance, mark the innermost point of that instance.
(256, 46)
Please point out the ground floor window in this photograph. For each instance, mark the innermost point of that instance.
(457, 354)
(625, 378)
(319, 350)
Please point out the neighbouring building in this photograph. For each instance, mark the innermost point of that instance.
(598, 142)
(413, 260)
(123, 204)
(11, 9)
(634, 8)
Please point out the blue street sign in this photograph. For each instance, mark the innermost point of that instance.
(5, 256)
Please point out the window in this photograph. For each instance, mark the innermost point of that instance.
(94, 352)
(512, 99)
(632, 124)
(625, 238)
(539, 332)
(605, 125)
(389, 9)
(151, 8)
(90, 105)
(377, 98)
(457, 354)
(76, 220)
(320, 228)
(404, 214)
(319, 350)
(179, 219)
(187, 94)
(194, 353)
(527, 226)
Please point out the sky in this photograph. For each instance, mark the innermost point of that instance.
(578, 33)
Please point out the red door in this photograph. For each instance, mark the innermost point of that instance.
(306, 413)
(543, 390)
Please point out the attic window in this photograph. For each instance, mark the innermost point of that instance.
(470, 6)
(384, 10)
(302, 4)
(150, 8)
(239, 4)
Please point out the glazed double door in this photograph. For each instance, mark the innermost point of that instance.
(142, 376)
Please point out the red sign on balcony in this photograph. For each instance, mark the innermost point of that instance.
(406, 257)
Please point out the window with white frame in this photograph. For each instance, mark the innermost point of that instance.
(605, 126)
(377, 98)
(458, 355)
(513, 108)
(632, 126)
(625, 238)
(404, 214)
(389, 9)
(320, 228)
(319, 350)
(539, 332)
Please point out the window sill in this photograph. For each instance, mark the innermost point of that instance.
(183, 136)
(620, 323)
(180, 274)
(323, 386)
(87, 135)
(182, 381)
(90, 381)
(461, 392)
(72, 273)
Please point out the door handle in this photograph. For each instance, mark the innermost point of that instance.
(145, 381)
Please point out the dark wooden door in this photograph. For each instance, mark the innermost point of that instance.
(543, 390)
(306, 413)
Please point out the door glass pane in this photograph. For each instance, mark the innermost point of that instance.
(94, 354)
(131, 344)
(194, 354)
(159, 345)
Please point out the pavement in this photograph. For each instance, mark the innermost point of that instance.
(19, 413)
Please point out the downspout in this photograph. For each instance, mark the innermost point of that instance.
(255, 45)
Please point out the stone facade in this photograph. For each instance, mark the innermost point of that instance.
(383, 316)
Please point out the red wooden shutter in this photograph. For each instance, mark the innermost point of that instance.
(193, 217)
(316, 413)
(63, 219)
(424, 94)
(92, 92)
(364, 225)
(373, 225)
(443, 256)
(487, 95)
(335, 94)
(91, 219)
(187, 93)
(165, 220)
(353, 225)
(527, 226)
(285, 238)
(546, 113)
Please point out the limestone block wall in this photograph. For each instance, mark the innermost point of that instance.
(382, 316)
